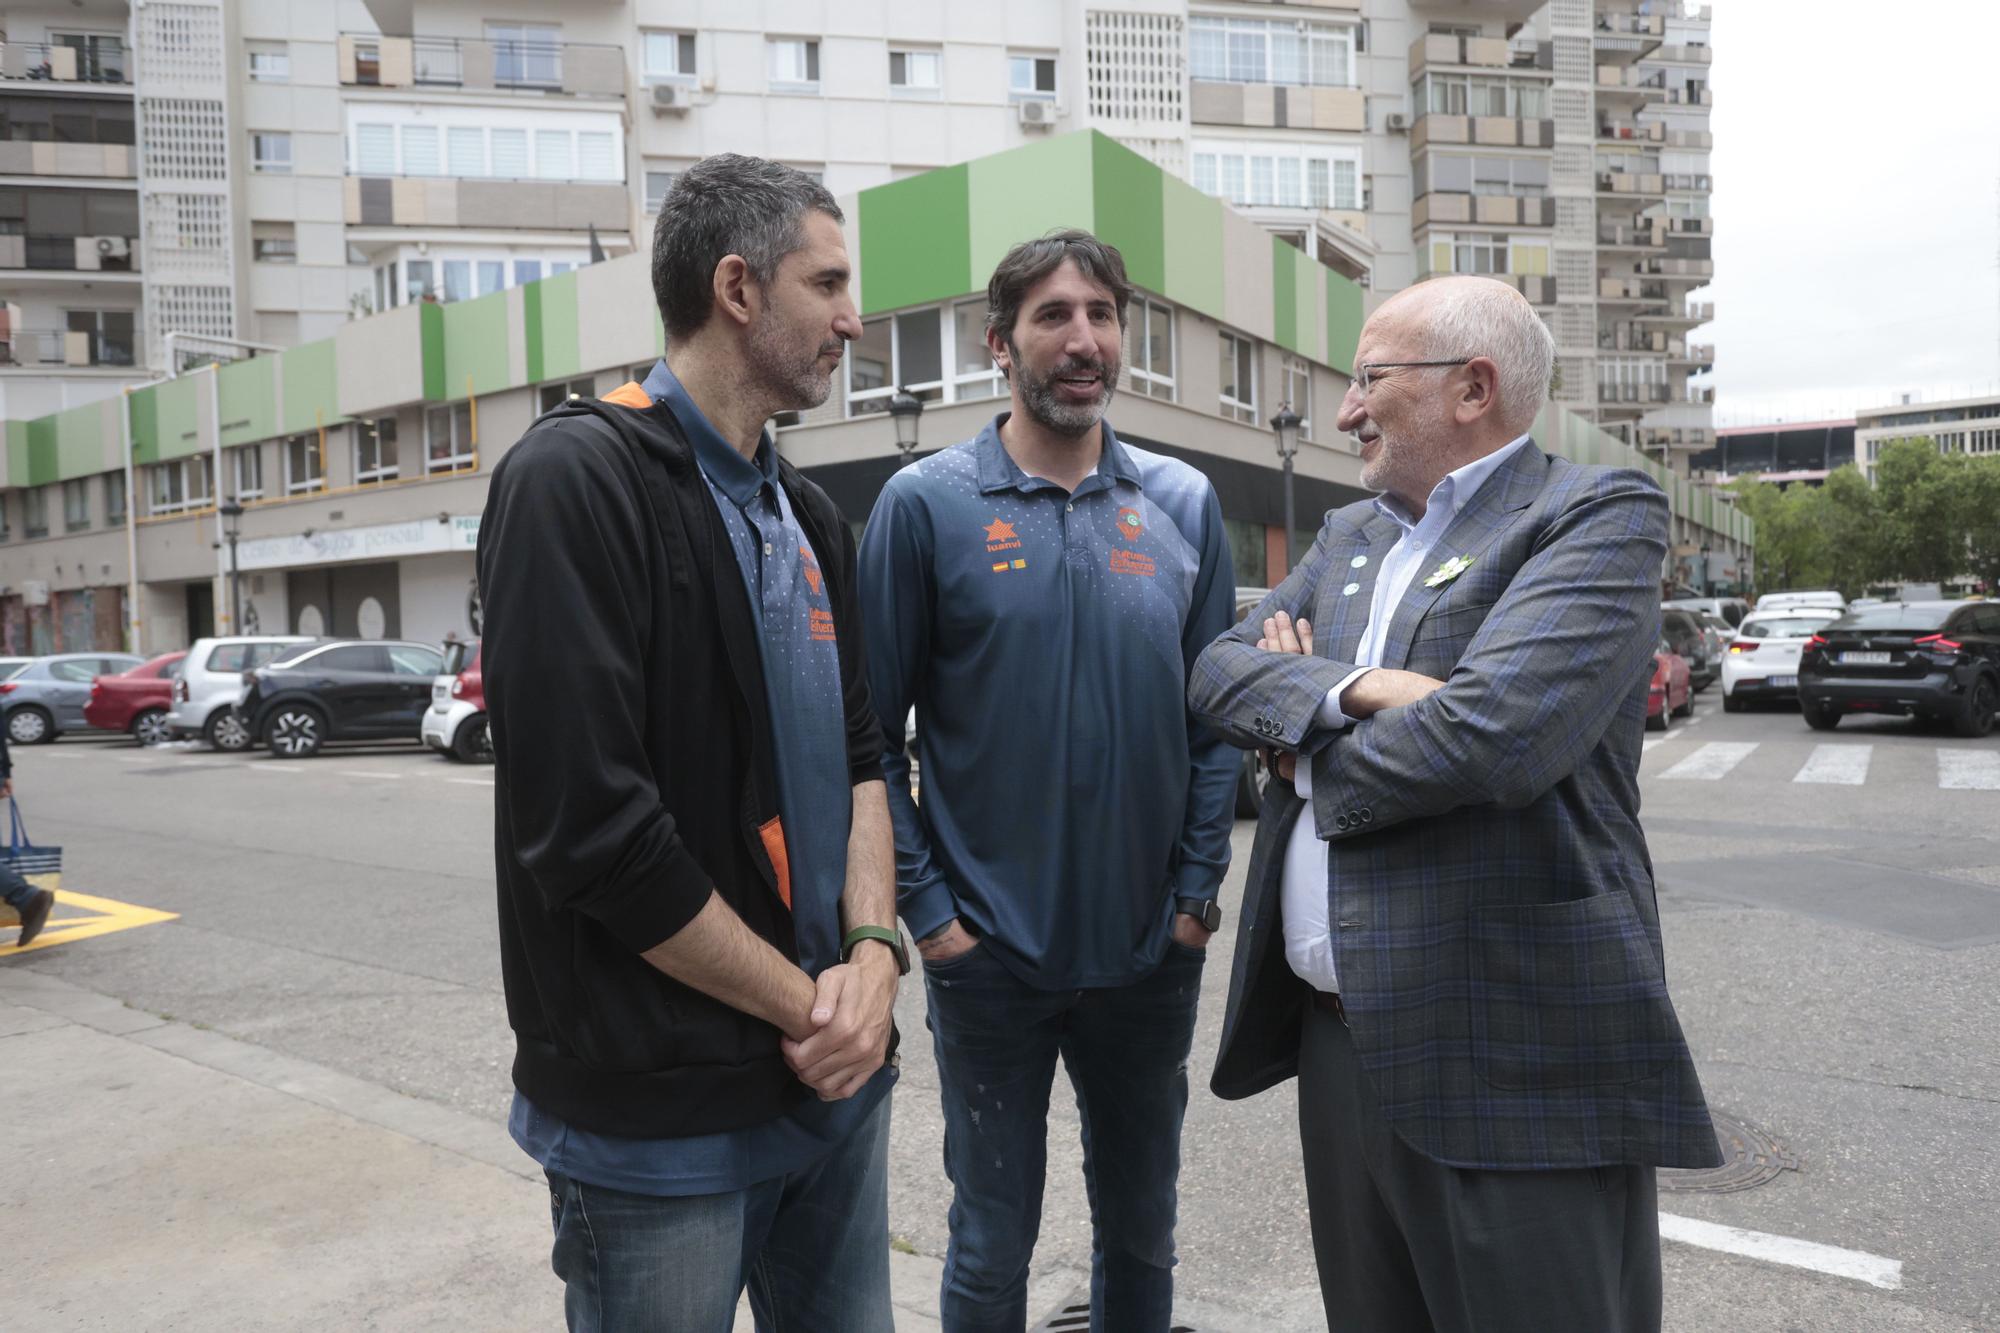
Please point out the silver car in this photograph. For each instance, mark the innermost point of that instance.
(209, 681)
(45, 698)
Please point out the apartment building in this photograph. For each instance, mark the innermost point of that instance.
(1960, 425)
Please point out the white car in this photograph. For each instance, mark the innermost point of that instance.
(1785, 601)
(209, 682)
(1763, 658)
(455, 724)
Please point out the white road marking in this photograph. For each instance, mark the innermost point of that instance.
(279, 766)
(1839, 765)
(1651, 742)
(367, 773)
(471, 782)
(1873, 1269)
(1711, 761)
(1969, 770)
(53, 756)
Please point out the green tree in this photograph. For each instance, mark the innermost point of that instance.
(1850, 521)
(1921, 494)
(1979, 500)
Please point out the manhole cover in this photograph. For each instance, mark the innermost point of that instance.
(1073, 1316)
(1750, 1157)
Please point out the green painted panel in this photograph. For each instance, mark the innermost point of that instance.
(561, 353)
(311, 381)
(249, 399)
(1192, 245)
(659, 334)
(1343, 322)
(144, 405)
(430, 325)
(17, 453)
(1130, 210)
(1284, 295)
(916, 241)
(178, 417)
(531, 331)
(1311, 285)
(1013, 196)
(475, 346)
(80, 450)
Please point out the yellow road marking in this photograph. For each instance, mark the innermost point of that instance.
(110, 915)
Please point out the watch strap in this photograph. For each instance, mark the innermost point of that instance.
(887, 935)
(1205, 910)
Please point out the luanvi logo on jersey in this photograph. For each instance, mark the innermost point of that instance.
(1130, 527)
(1000, 537)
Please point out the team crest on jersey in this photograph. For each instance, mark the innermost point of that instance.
(1130, 526)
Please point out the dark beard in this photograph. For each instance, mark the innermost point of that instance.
(1040, 397)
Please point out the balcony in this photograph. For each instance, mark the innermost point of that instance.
(1645, 234)
(93, 60)
(1700, 183)
(1698, 354)
(1268, 105)
(1539, 288)
(1632, 185)
(1486, 210)
(533, 205)
(1698, 270)
(1439, 48)
(1630, 85)
(23, 348)
(1488, 131)
(1627, 132)
(478, 65)
(1692, 439)
(70, 254)
(1632, 25)
(1690, 226)
(1686, 53)
(1687, 96)
(1643, 395)
(95, 162)
(1631, 338)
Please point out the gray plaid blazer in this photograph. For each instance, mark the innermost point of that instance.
(1492, 898)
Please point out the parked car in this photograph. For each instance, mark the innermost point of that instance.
(1731, 609)
(1938, 660)
(1683, 630)
(1763, 661)
(210, 682)
(45, 698)
(1671, 693)
(339, 690)
(1779, 601)
(135, 701)
(455, 723)
(9, 665)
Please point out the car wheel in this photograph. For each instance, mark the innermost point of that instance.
(295, 731)
(226, 732)
(474, 742)
(1976, 719)
(1820, 717)
(29, 725)
(150, 727)
(1657, 721)
(1731, 704)
(1687, 705)
(1250, 784)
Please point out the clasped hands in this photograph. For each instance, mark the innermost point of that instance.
(1378, 689)
(850, 1022)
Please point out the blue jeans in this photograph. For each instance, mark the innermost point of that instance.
(1126, 1050)
(14, 891)
(813, 1248)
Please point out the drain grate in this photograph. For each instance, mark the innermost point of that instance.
(1073, 1316)
(1750, 1157)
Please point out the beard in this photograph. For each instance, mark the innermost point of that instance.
(795, 375)
(1399, 467)
(1045, 403)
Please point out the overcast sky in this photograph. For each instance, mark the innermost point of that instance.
(1857, 204)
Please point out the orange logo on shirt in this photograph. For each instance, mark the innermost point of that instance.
(1000, 536)
(811, 567)
(1129, 525)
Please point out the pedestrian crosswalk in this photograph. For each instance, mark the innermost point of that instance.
(1835, 764)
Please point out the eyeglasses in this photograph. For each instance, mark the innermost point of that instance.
(1364, 376)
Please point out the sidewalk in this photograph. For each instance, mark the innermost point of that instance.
(160, 1176)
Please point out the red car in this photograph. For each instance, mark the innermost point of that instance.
(1672, 690)
(135, 700)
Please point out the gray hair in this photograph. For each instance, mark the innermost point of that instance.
(1486, 317)
(725, 205)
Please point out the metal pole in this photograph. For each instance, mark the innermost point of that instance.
(235, 588)
(1290, 543)
(133, 626)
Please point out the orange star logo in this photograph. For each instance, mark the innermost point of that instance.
(999, 530)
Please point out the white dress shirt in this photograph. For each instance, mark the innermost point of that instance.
(1306, 895)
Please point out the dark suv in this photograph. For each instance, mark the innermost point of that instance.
(345, 690)
(1936, 660)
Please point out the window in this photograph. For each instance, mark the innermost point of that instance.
(659, 184)
(350, 657)
(305, 468)
(525, 53)
(271, 153)
(375, 450)
(1490, 253)
(270, 62)
(407, 659)
(1031, 76)
(114, 500)
(1150, 361)
(794, 63)
(417, 282)
(1284, 175)
(669, 56)
(1522, 176)
(6, 532)
(510, 154)
(527, 270)
(178, 487)
(1255, 51)
(274, 243)
(35, 511)
(246, 473)
(375, 150)
(76, 504)
(973, 374)
(492, 275)
(552, 155)
(457, 279)
(368, 64)
(916, 71)
(465, 148)
(1473, 95)
(555, 395)
(109, 331)
(1298, 387)
(1239, 376)
(593, 156)
(450, 446)
(896, 351)
(420, 151)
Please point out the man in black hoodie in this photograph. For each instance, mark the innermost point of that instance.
(32, 903)
(697, 887)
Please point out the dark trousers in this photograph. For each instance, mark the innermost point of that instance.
(14, 891)
(1126, 1049)
(1406, 1244)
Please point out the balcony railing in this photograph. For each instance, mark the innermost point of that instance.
(1703, 269)
(1681, 180)
(85, 161)
(1434, 127)
(1646, 234)
(1633, 25)
(1631, 338)
(70, 254)
(1295, 106)
(62, 347)
(1634, 393)
(1688, 96)
(1686, 53)
(541, 205)
(1631, 79)
(93, 60)
(482, 65)
(1631, 182)
(1489, 210)
(1441, 48)
(1626, 132)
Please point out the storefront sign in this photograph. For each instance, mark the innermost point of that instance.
(391, 541)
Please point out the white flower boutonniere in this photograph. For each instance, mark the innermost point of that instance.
(1448, 571)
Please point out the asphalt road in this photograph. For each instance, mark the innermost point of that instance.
(1831, 923)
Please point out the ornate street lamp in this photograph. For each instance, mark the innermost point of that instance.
(906, 410)
(1285, 426)
(231, 513)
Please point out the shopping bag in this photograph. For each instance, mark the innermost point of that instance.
(40, 866)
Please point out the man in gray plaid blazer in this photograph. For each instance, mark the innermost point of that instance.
(1449, 932)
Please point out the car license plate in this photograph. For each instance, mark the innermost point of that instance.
(1866, 659)
(1783, 682)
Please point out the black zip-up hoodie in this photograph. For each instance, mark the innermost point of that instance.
(633, 765)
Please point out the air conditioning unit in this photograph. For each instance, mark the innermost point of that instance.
(1036, 113)
(671, 99)
(1396, 122)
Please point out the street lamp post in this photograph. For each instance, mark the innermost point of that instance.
(906, 410)
(231, 512)
(1707, 581)
(1285, 426)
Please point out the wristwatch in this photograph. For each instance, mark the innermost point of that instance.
(887, 935)
(1205, 910)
